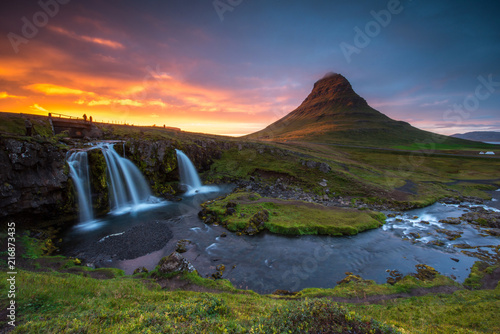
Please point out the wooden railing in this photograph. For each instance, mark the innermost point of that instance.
(63, 116)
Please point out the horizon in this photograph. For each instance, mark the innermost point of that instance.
(233, 68)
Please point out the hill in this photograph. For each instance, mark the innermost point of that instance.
(484, 136)
(334, 113)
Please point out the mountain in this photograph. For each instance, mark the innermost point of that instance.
(483, 136)
(334, 113)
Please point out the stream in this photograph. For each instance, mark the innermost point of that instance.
(267, 262)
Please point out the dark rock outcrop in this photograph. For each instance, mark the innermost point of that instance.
(33, 178)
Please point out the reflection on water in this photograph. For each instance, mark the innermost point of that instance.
(266, 262)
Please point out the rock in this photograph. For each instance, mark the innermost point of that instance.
(425, 272)
(260, 218)
(311, 164)
(323, 183)
(284, 293)
(324, 167)
(415, 235)
(451, 235)
(219, 271)
(140, 270)
(436, 243)
(493, 232)
(464, 246)
(173, 263)
(32, 178)
(182, 245)
(451, 221)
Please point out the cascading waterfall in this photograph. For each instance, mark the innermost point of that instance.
(128, 187)
(79, 172)
(189, 176)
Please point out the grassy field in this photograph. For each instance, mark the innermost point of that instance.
(55, 302)
(242, 212)
(417, 178)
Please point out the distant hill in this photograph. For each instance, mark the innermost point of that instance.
(334, 113)
(483, 136)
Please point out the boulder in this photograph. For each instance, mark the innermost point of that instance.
(173, 263)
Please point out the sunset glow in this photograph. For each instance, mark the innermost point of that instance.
(181, 65)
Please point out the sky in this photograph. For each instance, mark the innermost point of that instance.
(234, 66)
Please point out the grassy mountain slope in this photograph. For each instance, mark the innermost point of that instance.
(334, 113)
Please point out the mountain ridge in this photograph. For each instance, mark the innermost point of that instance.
(481, 136)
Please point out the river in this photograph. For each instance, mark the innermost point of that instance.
(266, 262)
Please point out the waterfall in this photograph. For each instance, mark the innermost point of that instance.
(128, 187)
(189, 176)
(79, 172)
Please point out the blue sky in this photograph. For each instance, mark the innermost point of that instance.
(234, 66)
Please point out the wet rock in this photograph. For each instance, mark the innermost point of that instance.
(425, 272)
(463, 246)
(183, 245)
(451, 235)
(173, 263)
(493, 232)
(219, 272)
(140, 270)
(455, 259)
(394, 276)
(415, 235)
(451, 221)
(482, 217)
(436, 243)
(449, 200)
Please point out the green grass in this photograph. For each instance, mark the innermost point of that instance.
(291, 217)
(370, 288)
(51, 302)
(14, 124)
(453, 146)
(360, 172)
(461, 312)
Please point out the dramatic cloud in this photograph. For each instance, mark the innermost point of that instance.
(187, 65)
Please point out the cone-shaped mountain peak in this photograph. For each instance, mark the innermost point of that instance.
(335, 89)
(333, 112)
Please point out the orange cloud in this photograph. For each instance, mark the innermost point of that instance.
(38, 108)
(5, 95)
(50, 89)
(96, 40)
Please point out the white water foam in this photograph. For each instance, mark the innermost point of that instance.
(111, 235)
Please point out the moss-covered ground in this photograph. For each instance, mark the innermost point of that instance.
(243, 211)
